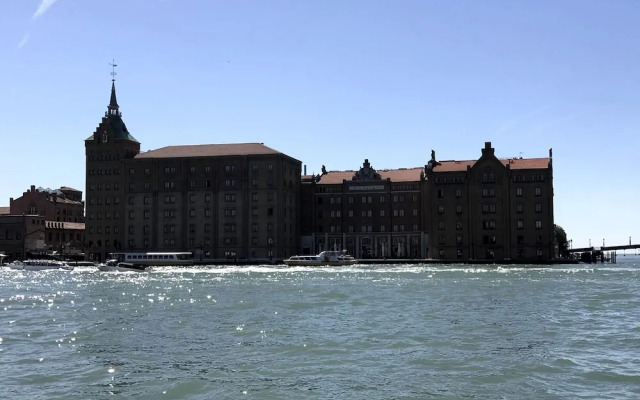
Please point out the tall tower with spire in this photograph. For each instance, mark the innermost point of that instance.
(106, 151)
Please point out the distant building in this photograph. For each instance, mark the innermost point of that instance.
(22, 235)
(233, 201)
(486, 210)
(43, 221)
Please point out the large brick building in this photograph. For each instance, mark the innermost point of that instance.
(248, 201)
(218, 201)
(43, 221)
(490, 209)
(486, 209)
(370, 213)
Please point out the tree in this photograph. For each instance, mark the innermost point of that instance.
(561, 240)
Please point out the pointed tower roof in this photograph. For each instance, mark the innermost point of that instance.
(113, 103)
(113, 117)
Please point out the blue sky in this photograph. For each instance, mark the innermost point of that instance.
(334, 82)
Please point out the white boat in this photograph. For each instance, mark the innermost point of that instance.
(40, 265)
(155, 258)
(114, 265)
(329, 257)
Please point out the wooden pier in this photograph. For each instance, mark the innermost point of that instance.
(601, 254)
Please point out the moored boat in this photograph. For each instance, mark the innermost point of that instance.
(328, 257)
(40, 265)
(114, 265)
(154, 258)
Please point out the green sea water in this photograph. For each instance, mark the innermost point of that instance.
(361, 332)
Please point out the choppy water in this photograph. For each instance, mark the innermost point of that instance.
(365, 332)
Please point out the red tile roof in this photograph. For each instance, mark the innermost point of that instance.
(395, 175)
(515, 163)
(209, 150)
(64, 225)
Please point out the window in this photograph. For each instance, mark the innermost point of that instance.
(489, 224)
(538, 207)
(538, 191)
(519, 192)
(520, 224)
(489, 208)
(441, 225)
(488, 192)
(519, 208)
(538, 224)
(441, 209)
(458, 193)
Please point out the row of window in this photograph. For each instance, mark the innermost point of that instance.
(397, 198)
(366, 213)
(367, 228)
(490, 224)
(207, 169)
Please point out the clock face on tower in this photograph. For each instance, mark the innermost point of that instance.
(105, 137)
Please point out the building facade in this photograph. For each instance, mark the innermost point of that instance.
(369, 213)
(22, 236)
(44, 222)
(221, 201)
(490, 209)
(480, 210)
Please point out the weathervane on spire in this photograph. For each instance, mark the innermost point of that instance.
(113, 70)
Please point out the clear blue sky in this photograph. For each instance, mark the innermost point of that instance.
(335, 82)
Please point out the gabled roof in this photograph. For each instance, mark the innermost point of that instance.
(514, 163)
(209, 150)
(395, 175)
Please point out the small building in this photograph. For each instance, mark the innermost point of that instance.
(43, 222)
(22, 236)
